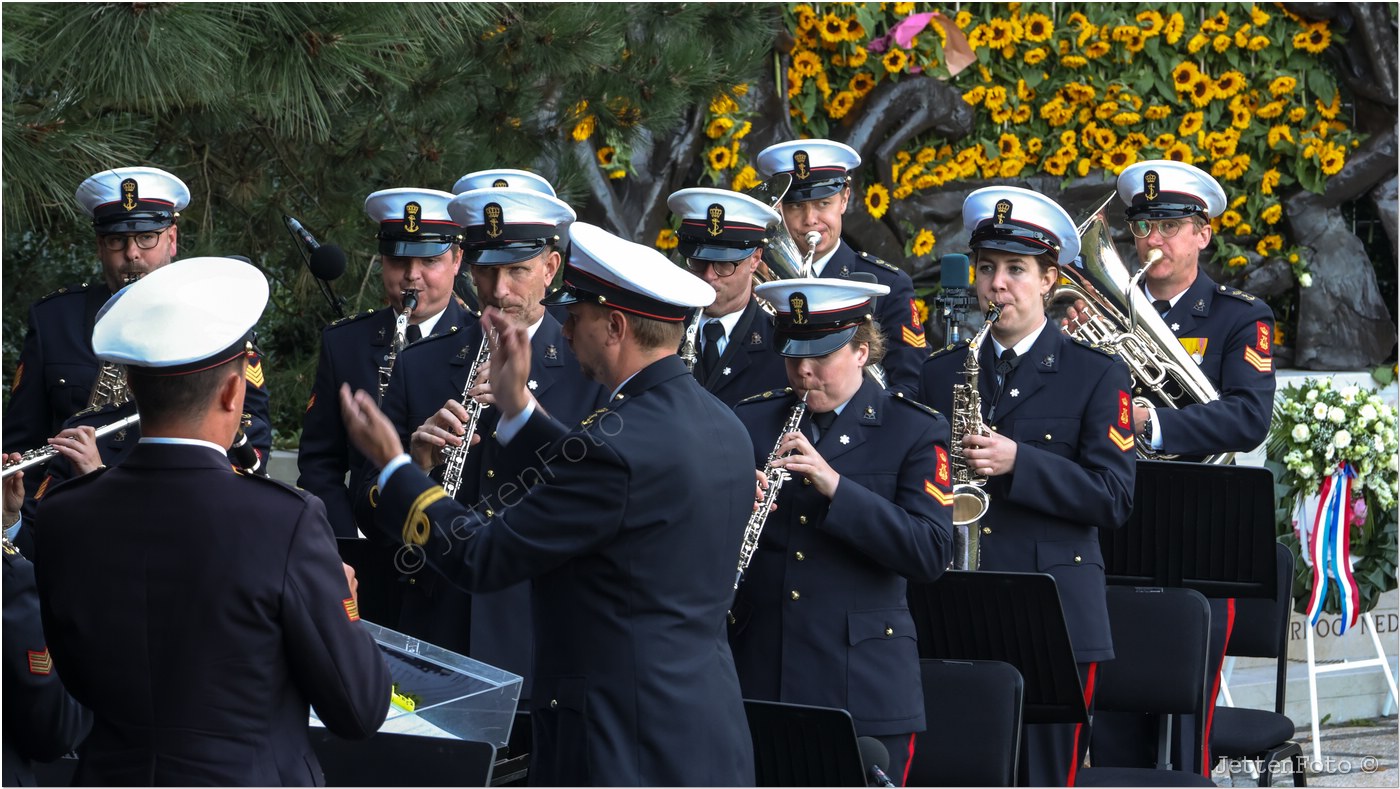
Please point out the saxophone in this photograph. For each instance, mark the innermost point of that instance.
(40, 455)
(776, 478)
(688, 352)
(970, 501)
(455, 458)
(110, 387)
(410, 301)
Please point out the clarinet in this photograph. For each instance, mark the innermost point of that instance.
(410, 302)
(776, 478)
(455, 458)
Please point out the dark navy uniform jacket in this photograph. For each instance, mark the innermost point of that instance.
(821, 615)
(42, 722)
(749, 364)
(58, 367)
(198, 612)
(352, 351)
(1232, 333)
(1068, 408)
(906, 347)
(491, 627)
(631, 539)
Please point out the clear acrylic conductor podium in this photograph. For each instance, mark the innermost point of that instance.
(442, 694)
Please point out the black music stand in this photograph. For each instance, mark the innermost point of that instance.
(798, 745)
(1012, 617)
(1203, 527)
(402, 760)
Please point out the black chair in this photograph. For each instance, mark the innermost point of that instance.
(973, 710)
(797, 745)
(1261, 736)
(1160, 642)
(403, 760)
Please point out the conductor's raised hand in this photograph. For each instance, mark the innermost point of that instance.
(510, 361)
(368, 428)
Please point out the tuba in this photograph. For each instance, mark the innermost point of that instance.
(1121, 318)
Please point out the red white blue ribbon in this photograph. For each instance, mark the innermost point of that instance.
(1329, 547)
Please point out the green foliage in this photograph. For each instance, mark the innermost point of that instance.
(267, 109)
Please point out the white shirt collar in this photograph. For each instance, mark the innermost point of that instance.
(190, 442)
(1024, 346)
(429, 323)
(819, 265)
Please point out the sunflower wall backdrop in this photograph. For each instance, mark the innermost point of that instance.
(1067, 91)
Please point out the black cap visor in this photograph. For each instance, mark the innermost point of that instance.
(141, 222)
(711, 252)
(1014, 238)
(501, 254)
(420, 248)
(806, 345)
(1165, 210)
(803, 191)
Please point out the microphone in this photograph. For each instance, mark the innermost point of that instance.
(956, 301)
(325, 262)
(873, 753)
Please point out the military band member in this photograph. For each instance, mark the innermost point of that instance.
(1059, 456)
(511, 241)
(722, 237)
(195, 610)
(821, 616)
(632, 561)
(1229, 333)
(135, 214)
(816, 202)
(42, 721)
(417, 252)
(503, 178)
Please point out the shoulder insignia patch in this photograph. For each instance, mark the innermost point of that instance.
(591, 418)
(771, 393)
(65, 290)
(1237, 293)
(352, 317)
(352, 609)
(255, 374)
(959, 345)
(909, 401)
(40, 662)
(877, 261)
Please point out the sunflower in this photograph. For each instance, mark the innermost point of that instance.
(1222, 144)
(1257, 16)
(877, 200)
(1240, 118)
(806, 63)
(832, 29)
(1330, 109)
(903, 9)
(840, 104)
(1009, 145)
(1269, 181)
(1104, 138)
(996, 97)
(1074, 61)
(1244, 229)
(794, 83)
(1038, 27)
(1105, 110)
(1272, 214)
(1157, 112)
(1258, 43)
(723, 105)
(720, 158)
(975, 96)
(1022, 114)
(1097, 50)
(1230, 218)
(1197, 43)
(583, 129)
(666, 239)
(1055, 165)
(1024, 92)
(1271, 110)
(1000, 33)
(1033, 145)
(1297, 114)
(1314, 38)
(1151, 22)
(1238, 261)
(1220, 22)
(857, 58)
(745, 180)
(923, 243)
(1034, 56)
(1082, 167)
(1201, 91)
(1163, 140)
(1183, 75)
(1282, 85)
(895, 60)
(1269, 243)
(805, 17)
(1242, 37)
(1119, 158)
(1332, 159)
(1278, 134)
(1229, 83)
(862, 83)
(743, 130)
(1220, 43)
(606, 156)
(1176, 25)
(1221, 169)
(855, 31)
(962, 20)
(1179, 152)
(617, 174)
(1011, 166)
(1002, 115)
(717, 128)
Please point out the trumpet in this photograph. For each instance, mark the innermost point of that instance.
(1120, 317)
(41, 455)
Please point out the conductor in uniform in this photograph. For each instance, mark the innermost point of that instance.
(815, 203)
(512, 240)
(821, 616)
(418, 254)
(722, 237)
(632, 557)
(135, 215)
(195, 610)
(1058, 455)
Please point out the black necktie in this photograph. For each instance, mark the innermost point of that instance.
(709, 358)
(823, 423)
(1005, 364)
(414, 333)
(1161, 306)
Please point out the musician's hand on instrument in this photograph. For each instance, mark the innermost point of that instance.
(441, 430)
(807, 462)
(991, 455)
(760, 490)
(510, 361)
(482, 392)
(369, 430)
(14, 491)
(79, 445)
(1076, 316)
(1141, 414)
